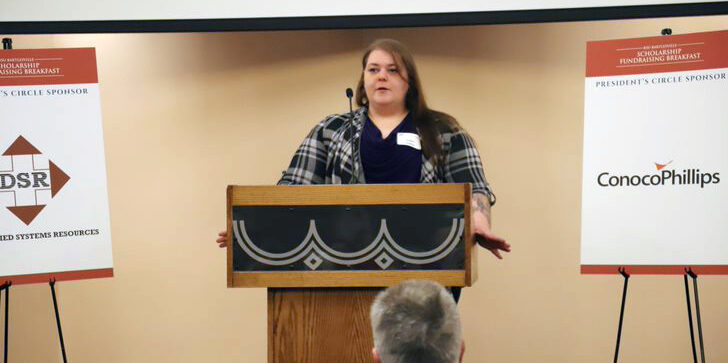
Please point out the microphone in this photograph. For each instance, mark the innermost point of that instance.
(354, 164)
(349, 95)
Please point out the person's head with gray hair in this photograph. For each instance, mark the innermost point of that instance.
(416, 321)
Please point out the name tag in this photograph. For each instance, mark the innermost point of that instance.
(409, 139)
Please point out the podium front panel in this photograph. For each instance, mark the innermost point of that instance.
(348, 238)
(354, 235)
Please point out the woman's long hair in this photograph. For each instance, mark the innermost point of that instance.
(429, 122)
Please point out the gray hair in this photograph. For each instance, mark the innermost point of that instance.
(416, 321)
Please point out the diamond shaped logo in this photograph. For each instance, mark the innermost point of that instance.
(313, 261)
(28, 180)
(384, 261)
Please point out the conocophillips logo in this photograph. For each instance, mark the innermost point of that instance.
(692, 176)
(28, 180)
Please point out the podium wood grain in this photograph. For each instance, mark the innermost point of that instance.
(357, 194)
(320, 325)
(323, 316)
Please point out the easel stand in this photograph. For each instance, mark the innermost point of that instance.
(694, 276)
(6, 287)
(8, 44)
(52, 283)
(621, 312)
(689, 272)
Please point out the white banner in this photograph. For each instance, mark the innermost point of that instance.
(54, 214)
(655, 177)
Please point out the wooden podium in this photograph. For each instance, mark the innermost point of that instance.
(325, 251)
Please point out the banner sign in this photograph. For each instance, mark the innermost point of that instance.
(54, 213)
(655, 176)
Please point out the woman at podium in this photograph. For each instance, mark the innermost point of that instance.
(393, 137)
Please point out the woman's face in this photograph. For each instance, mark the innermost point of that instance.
(385, 83)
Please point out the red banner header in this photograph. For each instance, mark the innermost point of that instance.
(29, 67)
(671, 53)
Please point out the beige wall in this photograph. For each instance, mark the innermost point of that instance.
(187, 114)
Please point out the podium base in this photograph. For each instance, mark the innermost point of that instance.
(320, 325)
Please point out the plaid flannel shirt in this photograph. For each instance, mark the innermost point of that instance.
(324, 157)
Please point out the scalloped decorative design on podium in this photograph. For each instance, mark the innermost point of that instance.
(383, 249)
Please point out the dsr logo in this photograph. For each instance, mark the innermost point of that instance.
(28, 180)
(22, 180)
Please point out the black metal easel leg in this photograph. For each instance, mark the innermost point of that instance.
(622, 272)
(697, 312)
(6, 287)
(58, 319)
(690, 317)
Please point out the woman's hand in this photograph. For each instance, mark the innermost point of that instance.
(485, 238)
(480, 227)
(222, 239)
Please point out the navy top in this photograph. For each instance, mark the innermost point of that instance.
(386, 162)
